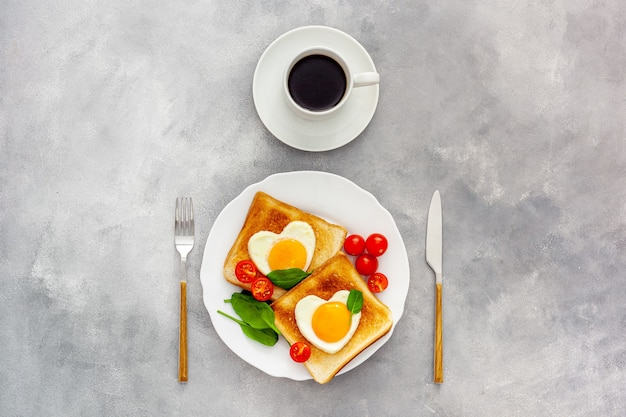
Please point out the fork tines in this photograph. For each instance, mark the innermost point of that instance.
(184, 217)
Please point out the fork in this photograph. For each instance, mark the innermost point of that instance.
(183, 240)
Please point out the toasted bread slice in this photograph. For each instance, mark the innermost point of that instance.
(336, 274)
(268, 213)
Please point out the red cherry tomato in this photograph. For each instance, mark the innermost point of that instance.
(354, 245)
(262, 289)
(300, 352)
(366, 264)
(376, 244)
(245, 271)
(377, 282)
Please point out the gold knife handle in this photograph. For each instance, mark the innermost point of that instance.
(438, 360)
(182, 352)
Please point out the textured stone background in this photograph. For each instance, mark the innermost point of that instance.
(514, 110)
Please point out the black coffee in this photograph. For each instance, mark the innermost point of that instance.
(317, 82)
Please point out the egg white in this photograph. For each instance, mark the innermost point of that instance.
(304, 314)
(261, 243)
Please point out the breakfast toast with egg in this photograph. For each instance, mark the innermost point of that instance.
(269, 214)
(337, 274)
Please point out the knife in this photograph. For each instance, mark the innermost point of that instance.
(434, 245)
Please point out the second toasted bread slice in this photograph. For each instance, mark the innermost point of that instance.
(336, 274)
(272, 215)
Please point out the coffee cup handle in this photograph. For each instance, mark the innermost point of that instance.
(365, 78)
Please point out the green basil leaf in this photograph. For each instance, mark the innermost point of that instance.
(267, 337)
(355, 301)
(287, 278)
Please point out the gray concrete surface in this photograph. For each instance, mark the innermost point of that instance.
(514, 110)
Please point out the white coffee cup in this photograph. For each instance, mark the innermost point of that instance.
(318, 82)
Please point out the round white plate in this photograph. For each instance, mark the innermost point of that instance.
(296, 131)
(331, 197)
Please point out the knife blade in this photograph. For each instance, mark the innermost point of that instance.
(434, 258)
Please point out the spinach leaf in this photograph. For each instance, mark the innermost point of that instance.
(256, 313)
(267, 337)
(287, 278)
(246, 308)
(267, 314)
(355, 301)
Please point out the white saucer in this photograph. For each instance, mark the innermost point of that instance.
(282, 122)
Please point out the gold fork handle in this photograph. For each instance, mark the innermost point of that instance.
(438, 360)
(182, 352)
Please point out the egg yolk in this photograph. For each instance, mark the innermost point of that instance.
(287, 253)
(331, 321)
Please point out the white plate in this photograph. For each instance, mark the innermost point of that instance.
(329, 196)
(282, 122)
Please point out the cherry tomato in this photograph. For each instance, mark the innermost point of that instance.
(366, 264)
(377, 282)
(262, 289)
(376, 244)
(300, 352)
(245, 271)
(354, 245)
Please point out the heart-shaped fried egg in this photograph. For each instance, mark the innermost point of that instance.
(291, 248)
(328, 325)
